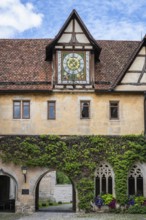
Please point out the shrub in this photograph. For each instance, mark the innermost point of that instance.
(61, 178)
(136, 209)
(118, 210)
(139, 200)
(59, 202)
(107, 198)
(130, 201)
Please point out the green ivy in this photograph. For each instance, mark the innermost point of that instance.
(78, 157)
(107, 198)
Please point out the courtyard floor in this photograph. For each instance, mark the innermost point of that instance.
(71, 216)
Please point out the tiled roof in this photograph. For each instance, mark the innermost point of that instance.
(115, 55)
(23, 65)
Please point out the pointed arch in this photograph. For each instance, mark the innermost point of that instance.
(135, 181)
(104, 179)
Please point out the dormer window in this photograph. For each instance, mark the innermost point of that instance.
(72, 52)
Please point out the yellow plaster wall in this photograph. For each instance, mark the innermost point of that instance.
(68, 120)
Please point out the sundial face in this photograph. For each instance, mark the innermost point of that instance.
(73, 67)
(73, 63)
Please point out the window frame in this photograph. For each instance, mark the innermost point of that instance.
(49, 102)
(89, 111)
(14, 101)
(134, 173)
(104, 172)
(21, 115)
(110, 107)
(23, 101)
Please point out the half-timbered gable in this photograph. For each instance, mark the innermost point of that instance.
(134, 76)
(74, 53)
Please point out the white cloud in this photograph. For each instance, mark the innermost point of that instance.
(16, 17)
(121, 30)
(126, 6)
(115, 20)
(106, 19)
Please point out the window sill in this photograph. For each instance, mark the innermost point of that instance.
(20, 119)
(85, 118)
(51, 119)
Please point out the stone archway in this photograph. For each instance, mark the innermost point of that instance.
(37, 192)
(8, 188)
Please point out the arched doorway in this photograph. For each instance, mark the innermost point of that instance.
(57, 197)
(7, 192)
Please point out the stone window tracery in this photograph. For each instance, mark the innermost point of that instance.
(135, 181)
(103, 179)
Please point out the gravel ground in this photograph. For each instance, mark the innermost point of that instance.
(75, 216)
(66, 216)
(9, 216)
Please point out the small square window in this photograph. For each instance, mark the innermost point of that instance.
(114, 110)
(51, 110)
(85, 109)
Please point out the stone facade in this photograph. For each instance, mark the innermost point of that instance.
(47, 186)
(63, 193)
(68, 121)
(74, 71)
(26, 202)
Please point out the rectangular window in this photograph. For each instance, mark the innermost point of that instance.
(25, 109)
(21, 109)
(114, 110)
(16, 109)
(51, 110)
(85, 109)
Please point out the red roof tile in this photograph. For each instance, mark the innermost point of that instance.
(23, 65)
(114, 56)
(23, 61)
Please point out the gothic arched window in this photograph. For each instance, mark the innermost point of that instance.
(103, 180)
(135, 181)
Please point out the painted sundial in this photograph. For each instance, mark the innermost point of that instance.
(73, 67)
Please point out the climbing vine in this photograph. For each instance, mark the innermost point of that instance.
(78, 157)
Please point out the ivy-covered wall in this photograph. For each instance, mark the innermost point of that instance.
(78, 157)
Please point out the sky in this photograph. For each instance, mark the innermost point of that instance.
(105, 19)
